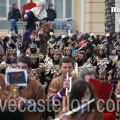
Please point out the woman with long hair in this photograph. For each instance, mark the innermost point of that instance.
(81, 93)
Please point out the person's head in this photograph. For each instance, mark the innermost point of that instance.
(34, 60)
(41, 57)
(113, 52)
(115, 36)
(24, 62)
(117, 48)
(68, 52)
(81, 92)
(12, 55)
(14, 63)
(79, 55)
(15, 6)
(50, 50)
(101, 51)
(19, 38)
(50, 6)
(118, 52)
(88, 73)
(56, 56)
(3, 57)
(66, 65)
(28, 51)
(40, 4)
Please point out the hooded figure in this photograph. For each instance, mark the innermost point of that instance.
(39, 11)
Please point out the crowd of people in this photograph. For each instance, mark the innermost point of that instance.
(59, 68)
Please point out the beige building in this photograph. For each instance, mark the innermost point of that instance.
(89, 16)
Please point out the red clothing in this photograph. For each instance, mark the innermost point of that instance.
(109, 116)
(81, 42)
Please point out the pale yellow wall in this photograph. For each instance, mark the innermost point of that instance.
(34, 0)
(92, 16)
(28, 1)
(76, 14)
(96, 14)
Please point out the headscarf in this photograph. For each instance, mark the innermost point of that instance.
(39, 11)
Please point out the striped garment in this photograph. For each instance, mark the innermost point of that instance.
(58, 97)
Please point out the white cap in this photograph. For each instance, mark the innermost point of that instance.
(9, 35)
(63, 36)
(51, 33)
(91, 34)
(70, 35)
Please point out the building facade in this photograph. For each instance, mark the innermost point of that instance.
(88, 15)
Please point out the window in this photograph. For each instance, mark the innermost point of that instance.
(63, 8)
(68, 8)
(3, 8)
(11, 2)
(48, 1)
(58, 6)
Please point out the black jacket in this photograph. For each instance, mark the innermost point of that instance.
(7, 115)
(30, 20)
(14, 14)
(51, 14)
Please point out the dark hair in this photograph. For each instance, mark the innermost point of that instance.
(77, 93)
(26, 60)
(14, 61)
(86, 36)
(66, 59)
(19, 36)
(87, 71)
(114, 36)
(14, 4)
(50, 4)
